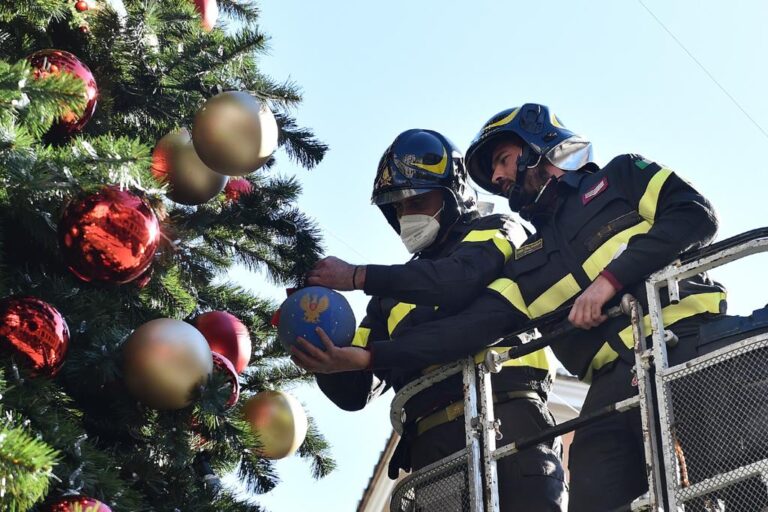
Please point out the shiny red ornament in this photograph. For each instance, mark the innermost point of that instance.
(143, 280)
(224, 365)
(51, 61)
(35, 329)
(110, 236)
(227, 335)
(209, 11)
(81, 6)
(79, 504)
(237, 187)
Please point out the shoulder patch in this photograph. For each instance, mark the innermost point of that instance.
(640, 162)
(596, 189)
(525, 250)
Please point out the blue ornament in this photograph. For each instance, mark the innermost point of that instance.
(316, 306)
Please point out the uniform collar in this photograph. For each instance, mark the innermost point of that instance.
(572, 179)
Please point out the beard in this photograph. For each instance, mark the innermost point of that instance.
(539, 192)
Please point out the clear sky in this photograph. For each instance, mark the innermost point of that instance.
(613, 71)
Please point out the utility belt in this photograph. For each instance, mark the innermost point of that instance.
(440, 394)
(456, 410)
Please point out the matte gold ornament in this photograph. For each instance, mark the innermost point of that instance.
(279, 420)
(189, 180)
(234, 133)
(165, 362)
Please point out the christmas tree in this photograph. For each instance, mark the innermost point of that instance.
(136, 169)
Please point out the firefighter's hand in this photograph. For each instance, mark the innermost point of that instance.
(336, 273)
(587, 311)
(333, 360)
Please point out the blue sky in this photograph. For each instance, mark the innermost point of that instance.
(610, 71)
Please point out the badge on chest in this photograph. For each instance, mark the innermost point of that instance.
(525, 250)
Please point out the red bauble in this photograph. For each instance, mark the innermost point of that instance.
(223, 365)
(209, 11)
(81, 6)
(237, 187)
(226, 335)
(109, 236)
(143, 280)
(35, 329)
(79, 504)
(54, 61)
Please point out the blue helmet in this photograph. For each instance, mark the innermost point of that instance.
(419, 161)
(538, 128)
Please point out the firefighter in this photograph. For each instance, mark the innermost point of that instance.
(421, 188)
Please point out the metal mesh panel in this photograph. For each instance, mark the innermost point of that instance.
(717, 410)
(440, 487)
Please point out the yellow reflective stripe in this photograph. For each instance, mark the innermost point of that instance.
(510, 291)
(498, 238)
(600, 259)
(503, 121)
(604, 356)
(541, 359)
(650, 199)
(555, 297)
(438, 168)
(361, 337)
(397, 314)
(687, 307)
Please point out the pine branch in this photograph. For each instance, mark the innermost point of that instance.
(274, 374)
(3, 268)
(38, 12)
(168, 295)
(245, 12)
(26, 464)
(316, 448)
(300, 143)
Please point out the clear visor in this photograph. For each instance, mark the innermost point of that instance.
(393, 196)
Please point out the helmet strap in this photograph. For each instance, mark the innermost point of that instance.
(543, 199)
(517, 196)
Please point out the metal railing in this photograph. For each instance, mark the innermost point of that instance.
(712, 412)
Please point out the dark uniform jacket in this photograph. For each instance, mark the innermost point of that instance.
(625, 221)
(438, 283)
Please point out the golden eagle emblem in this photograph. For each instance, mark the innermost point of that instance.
(313, 306)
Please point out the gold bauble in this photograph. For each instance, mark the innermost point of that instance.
(234, 133)
(189, 180)
(280, 422)
(165, 362)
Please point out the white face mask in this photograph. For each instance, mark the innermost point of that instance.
(419, 231)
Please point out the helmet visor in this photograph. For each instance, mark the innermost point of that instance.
(393, 196)
(572, 154)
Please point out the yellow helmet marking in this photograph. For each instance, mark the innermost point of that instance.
(438, 168)
(555, 121)
(504, 121)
